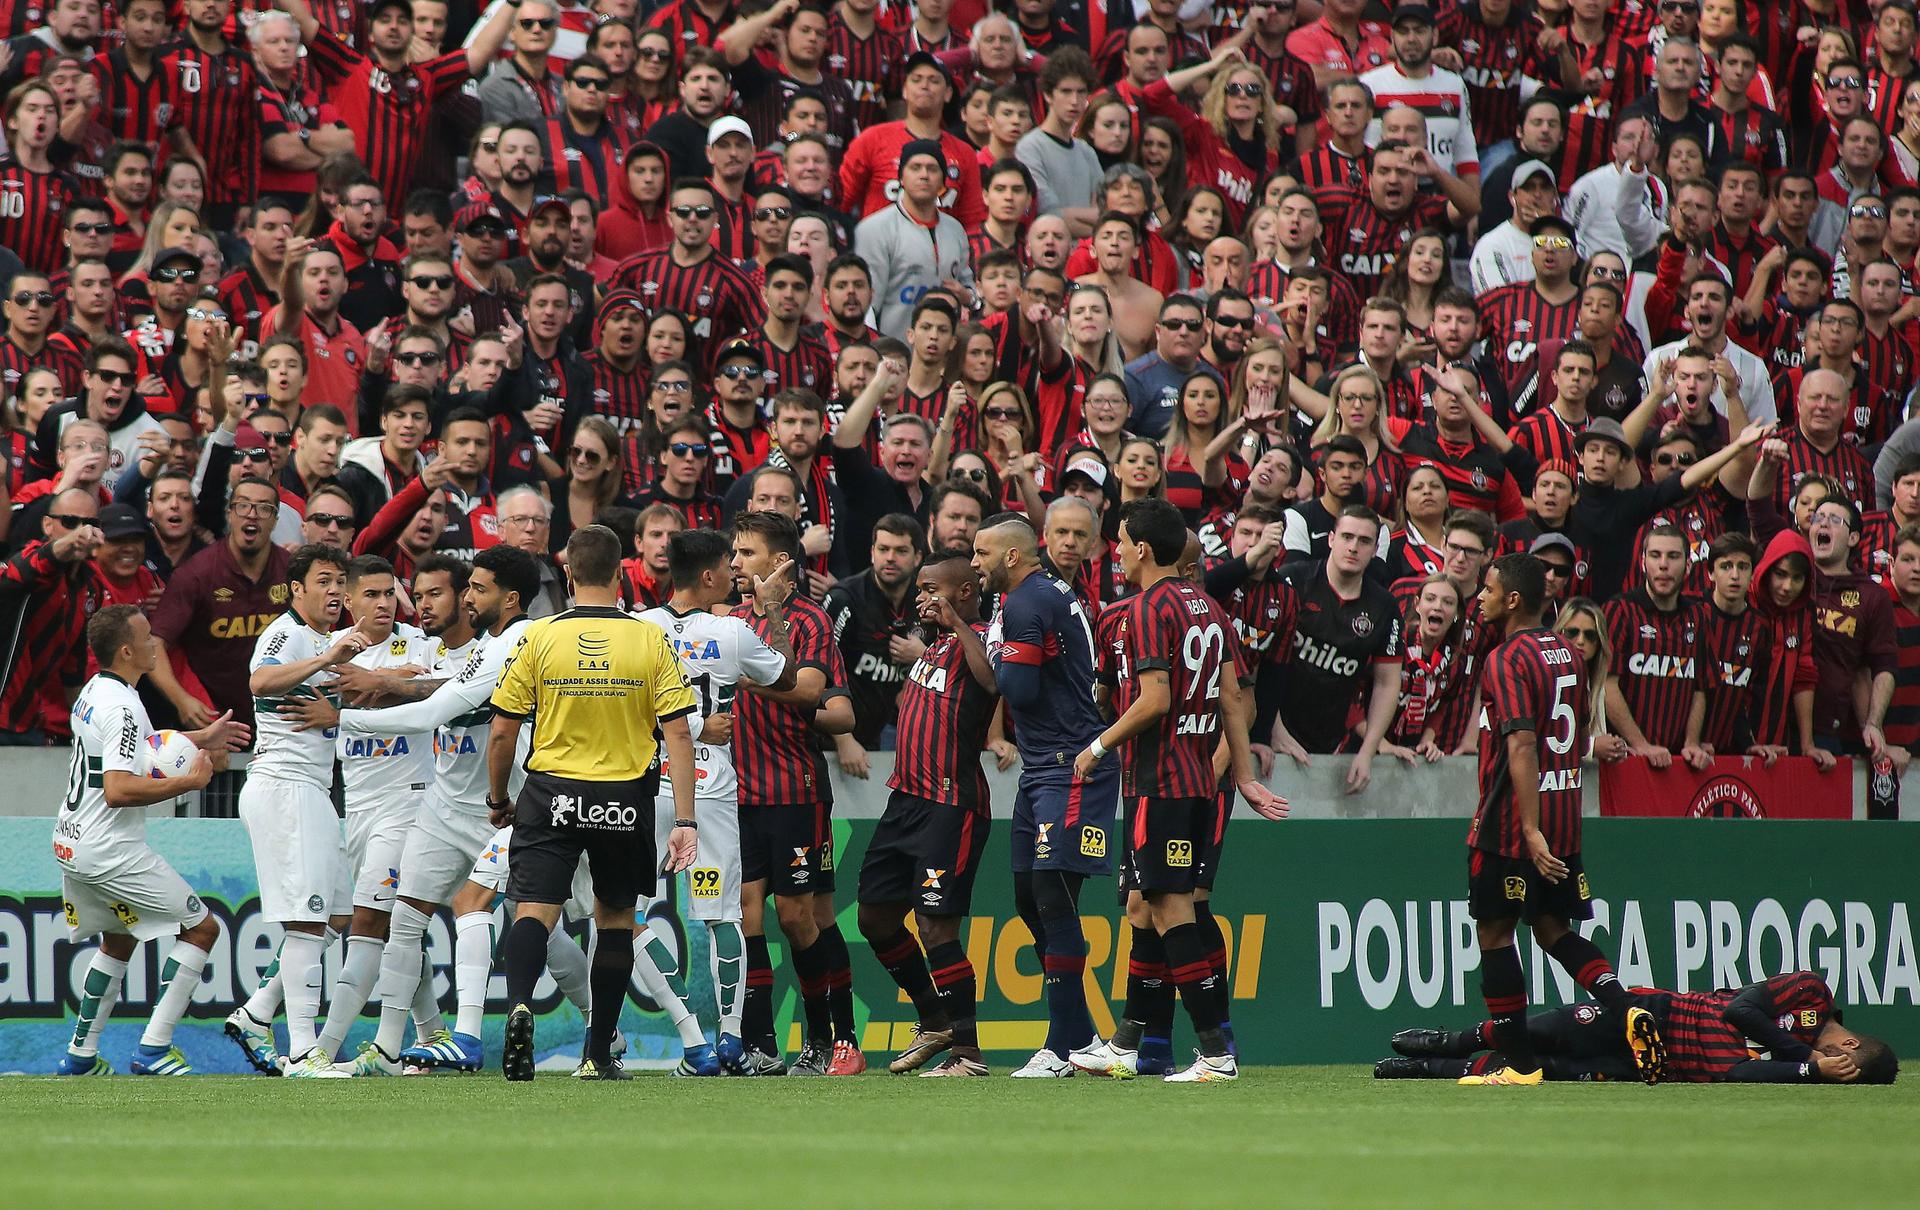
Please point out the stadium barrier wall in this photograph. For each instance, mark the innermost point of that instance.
(1339, 932)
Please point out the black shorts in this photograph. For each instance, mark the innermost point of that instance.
(1167, 839)
(1215, 840)
(926, 854)
(556, 819)
(789, 846)
(1512, 888)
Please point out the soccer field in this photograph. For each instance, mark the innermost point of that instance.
(1305, 1136)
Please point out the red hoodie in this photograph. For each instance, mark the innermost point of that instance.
(1789, 671)
(626, 229)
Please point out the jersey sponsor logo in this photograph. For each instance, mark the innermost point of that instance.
(1093, 841)
(1581, 888)
(1559, 779)
(875, 668)
(595, 652)
(377, 746)
(1042, 847)
(1646, 663)
(1197, 724)
(1515, 886)
(1179, 854)
(705, 881)
(932, 880)
(573, 811)
(799, 864)
(1323, 657)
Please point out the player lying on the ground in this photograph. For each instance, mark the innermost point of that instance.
(1711, 1037)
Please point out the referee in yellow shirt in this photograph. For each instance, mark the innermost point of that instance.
(598, 683)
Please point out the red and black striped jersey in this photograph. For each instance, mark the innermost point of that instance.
(869, 66)
(1365, 243)
(737, 452)
(218, 100)
(1734, 652)
(1338, 328)
(1708, 1034)
(16, 363)
(732, 230)
(1531, 682)
(700, 511)
(300, 108)
(1891, 365)
(941, 728)
(1476, 477)
(1175, 628)
(1514, 319)
(807, 364)
(1902, 724)
(1547, 436)
(1844, 463)
(1701, 518)
(1884, 94)
(1335, 179)
(388, 112)
(1777, 335)
(1756, 136)
(142, 111)
(1109, 58)
(1291, 80)
(688, 26)
(587, 162)
(1187, 490)
(714, 293)
(1590, 121)
(774, 754)
(1738, 255)
(619, 396)
(1262, 610)
(248, 297)
(1656, 662)
(1059, 400)
(981, 242)
(1495, 59)
(33, 207)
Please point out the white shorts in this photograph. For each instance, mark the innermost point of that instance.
(299, 856)
(713, 882)
(143, 896)
(376, 839)
(490, 871)
(441, 847)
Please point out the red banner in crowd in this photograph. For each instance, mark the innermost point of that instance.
(1735, 787)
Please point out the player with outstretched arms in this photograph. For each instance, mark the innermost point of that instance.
(1524, 844)
(111, 883)
(1042, 647)
(717, 652)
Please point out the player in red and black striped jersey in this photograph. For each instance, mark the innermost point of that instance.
(1656, 652)
(1736, 648)
(1368, 238)
(926, 850)
(384, 97)
(33, 193)
(1525, 852)
(690, 277)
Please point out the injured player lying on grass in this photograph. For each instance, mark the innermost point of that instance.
(1783, 1030)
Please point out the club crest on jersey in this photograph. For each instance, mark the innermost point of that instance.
(1362, 625)
(316, 904)
(1586, 1014)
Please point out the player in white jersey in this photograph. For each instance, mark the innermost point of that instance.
(299, 854)
(717, 653)
(112, 884)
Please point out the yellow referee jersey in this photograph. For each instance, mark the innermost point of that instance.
(598, 682)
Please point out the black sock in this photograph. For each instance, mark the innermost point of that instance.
(837, 962)
(525, 958)
(1589, 967)
(1503, 985)
(1187, 964)
(901, 955)
(1069, 1023)
(607, 982)
(1215, 942)
(952, 976)
(808, 970)
(756, 1011)
(1149, 1011)
(1029, 912)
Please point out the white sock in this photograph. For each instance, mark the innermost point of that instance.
(350, 992)
(654, 982)
(472, 967)
(264, 1004)
(400, 975)
(301, 958)
(567, 963)
(178, 980)
(727, 961)
(426, 1006)
(101, 993)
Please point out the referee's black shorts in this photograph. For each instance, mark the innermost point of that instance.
(556, 819)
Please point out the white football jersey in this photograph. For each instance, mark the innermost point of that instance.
(716, 653)
(278, 750)
(389, 769)
(109, 727)
(460, 715)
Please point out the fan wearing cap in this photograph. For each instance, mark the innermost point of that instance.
(798, 52)
(121, 557)
(870, 171)
(1543, 305)
(485, 283)
(1412, 78)
(1549, 511)
(729, 156)
(912, 246)
(548, 225)
(1505, 253)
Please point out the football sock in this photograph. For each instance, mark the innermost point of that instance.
(567, 963)
(401, 974)
(472, 965)
(1215, 942)
(1149, 1009)
(426, 1005)
(1589, 967)
(178, 980)
(807, 970)
(612, 969)
(953, 978)
(901, 955)
(264, 1004)
(1187, 966)
(1029, 911)
(526, 957)
(97, 998)
(1503, 985)
(301, 958)
(756, 1021)
(839, 974)
(1069, 1024)
(350, 992)
(666, 991)
(725, 948)
(666, 959)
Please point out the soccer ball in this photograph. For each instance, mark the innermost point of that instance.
(168, 754)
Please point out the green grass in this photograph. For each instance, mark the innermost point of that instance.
(1319, 1136)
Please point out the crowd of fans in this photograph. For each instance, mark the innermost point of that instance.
(1372, 295)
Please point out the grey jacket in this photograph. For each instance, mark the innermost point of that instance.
(906, 263)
